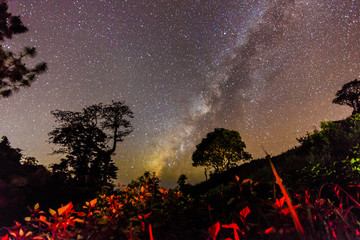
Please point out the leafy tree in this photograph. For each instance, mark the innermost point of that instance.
(9, 158)
(29, 161)
(89, 138)
(13, 72)
(221, 150)
(349, 95)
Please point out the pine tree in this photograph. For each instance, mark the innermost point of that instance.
(13, 72)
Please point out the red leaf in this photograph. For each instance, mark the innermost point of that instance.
(337, 191)
(280, 203)
(333, 233)
(268, 230)
(214, 230)
(244, 213)
(43, 219)
(93, 202)
(6, 237)
(232, 225)
(65, 209)
(235, 227)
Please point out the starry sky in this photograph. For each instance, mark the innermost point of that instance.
(268, 69)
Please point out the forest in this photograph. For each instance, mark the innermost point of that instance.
(311, 191)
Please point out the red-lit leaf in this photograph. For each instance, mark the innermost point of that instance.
(81, 214)
(244, 213)
(147, 215)
(235, 227)
(214, 230)
(280, 203)
(333, 233)
(65, 209)
(78, 220)
(337, 190)
(93, 202)
(307, 197)
(12, 233)
(237, 178)
(6, 237)
(270, 229)
(248, 180)
(43, 219)
(232, 225)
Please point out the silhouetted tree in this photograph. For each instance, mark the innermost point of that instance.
(29, 161)
(221, 149)
(85, 137)
(13, 72)
(9, 158)
(349, 95)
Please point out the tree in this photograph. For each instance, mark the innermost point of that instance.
(85, 137)
(9, 159)
(221, 150)
(349, 95)
(29, 161)
(13, 72)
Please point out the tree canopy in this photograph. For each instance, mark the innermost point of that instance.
(220, 150)
(89, 138)
(13, 72)
(349, 95)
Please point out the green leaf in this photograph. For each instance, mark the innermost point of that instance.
(52, 212)
(27, 219)
(36, 206)
(230, 201)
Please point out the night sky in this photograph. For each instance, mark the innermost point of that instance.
(268, 69)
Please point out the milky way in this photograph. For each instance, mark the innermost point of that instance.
(268, 69)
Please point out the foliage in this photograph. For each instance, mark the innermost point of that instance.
(84, 137)
(221, 150)
(128, 214)
(349, 95)
(143, 210)
(332, 153)
(13, 72)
